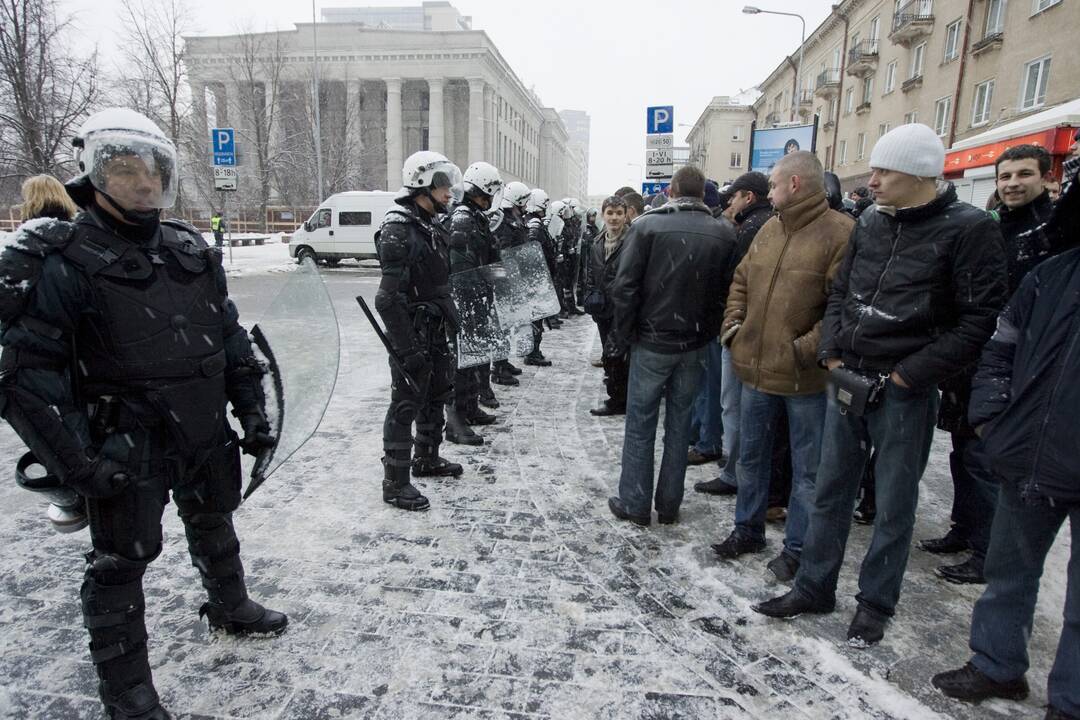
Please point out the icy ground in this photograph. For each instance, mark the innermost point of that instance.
(516, 596)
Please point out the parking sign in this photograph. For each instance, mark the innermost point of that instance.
(224, 146)
(660, 119)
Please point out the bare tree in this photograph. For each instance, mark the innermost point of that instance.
(45, 90)
(154, 74)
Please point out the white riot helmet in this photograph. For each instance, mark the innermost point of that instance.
(425, 171)
(555, 220)
(538, 202)
(565, 210)
(516, 195)
(482, 178)
(127, 158)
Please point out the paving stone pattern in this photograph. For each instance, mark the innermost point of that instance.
(516, 596)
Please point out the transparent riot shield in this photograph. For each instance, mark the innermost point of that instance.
(297, 338)
(480, 337)
(526, 293)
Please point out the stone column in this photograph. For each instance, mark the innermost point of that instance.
(394, 159)
(477, 112)
(436, 124)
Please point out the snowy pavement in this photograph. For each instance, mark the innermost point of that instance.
(516, 596)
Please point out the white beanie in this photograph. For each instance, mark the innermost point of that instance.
(913, 149)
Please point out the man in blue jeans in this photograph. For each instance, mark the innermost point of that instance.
(773, 322)
(668, 297)
(913, 302)
(1024, 401)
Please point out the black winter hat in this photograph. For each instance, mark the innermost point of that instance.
(754, 182)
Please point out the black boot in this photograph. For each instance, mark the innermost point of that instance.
(736, 545)
(792, 604)
(608, 409)
(432, 465)
(477, 416)
(138, 703)
(537, 358)
(215, 551)
(458, 430)
(553, 322)
(716, 486)
(969, 572)
(867, 628)
(502, 375)
(488, 399)
(953, 542)
(866, 511)
(398, 491)
(513, 369)
(970, 683)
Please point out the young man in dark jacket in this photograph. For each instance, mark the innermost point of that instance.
(604, 254)
(1022, 172)
(668, 295)
(913, 303)
(1024, 403)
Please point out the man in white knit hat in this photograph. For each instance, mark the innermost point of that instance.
(912, 304)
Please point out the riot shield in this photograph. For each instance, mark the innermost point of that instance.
(526, 293)
(297, 339)
(480, 337)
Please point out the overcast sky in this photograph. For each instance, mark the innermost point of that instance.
(611, 59)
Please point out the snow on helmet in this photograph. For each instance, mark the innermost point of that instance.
(538, 202)
(555, 220)
(427, 169)
(483, 178)
(126, 157)
(516, 194)
(563, 208)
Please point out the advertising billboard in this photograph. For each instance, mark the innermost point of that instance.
(771, 144)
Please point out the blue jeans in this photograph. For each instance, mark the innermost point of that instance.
(901, 430)
(974, 492)
(730, 397)
(655, 376)
(759, 413)
(706, 425)
(1020, 538)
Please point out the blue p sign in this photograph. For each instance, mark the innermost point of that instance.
(660, 120)
(224, 146)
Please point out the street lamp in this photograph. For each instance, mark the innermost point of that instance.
(751, 10)
(318, 124)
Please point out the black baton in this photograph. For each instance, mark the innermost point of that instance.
(394, 357)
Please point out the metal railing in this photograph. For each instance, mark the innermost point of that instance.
(911, 12)
(827, 78)
(862, 51)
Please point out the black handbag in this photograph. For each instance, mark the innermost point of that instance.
(856, 393)
(595, 302)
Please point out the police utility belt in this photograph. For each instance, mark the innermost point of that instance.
(857, 393)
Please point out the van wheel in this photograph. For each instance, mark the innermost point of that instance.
(333, 262)
(305, 253)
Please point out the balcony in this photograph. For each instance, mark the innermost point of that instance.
(773, 118)
(912, 21)
(911, 84)
(863, 108)
(828, 84)
(862, 58)
(991, 42)
(806, 97)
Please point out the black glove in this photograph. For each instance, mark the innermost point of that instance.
(615, 349)
(256, 433)
(103, 478)
(416, 363)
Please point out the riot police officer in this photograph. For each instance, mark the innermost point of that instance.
(472, 245)
(510, 232)
(121, 351)
(415, 305)
(536, 230)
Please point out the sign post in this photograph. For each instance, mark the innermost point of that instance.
(659, 144)
(223, 142)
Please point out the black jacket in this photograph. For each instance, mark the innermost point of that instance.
(602, 272)
(1028, 240)
(673, 278)
(749, 221)
(1026, 391)
(471, 241)
(918, 291)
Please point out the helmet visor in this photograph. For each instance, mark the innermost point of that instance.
(137, 171)
(445, 175)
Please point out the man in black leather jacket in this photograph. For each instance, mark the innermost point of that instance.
(668, 298)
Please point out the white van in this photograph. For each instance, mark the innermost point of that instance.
(343, 227)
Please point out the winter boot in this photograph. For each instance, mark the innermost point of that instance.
(477, 416)
(488, 399)
(716, 486)
(953, 542)
(215, 551)
(553, 322)
(867, 628)
(430, 464)
(513, 369)
(970, 683)
(736, 545)
(792, 604)
(458, 430)
(969, 572)
(502, 375)
(537, 358)
(783, 567)
(398, 491)
(607, 409)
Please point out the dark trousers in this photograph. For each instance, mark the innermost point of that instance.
(126, 534)
(974, 492)
(423, 405)
(616, 368)
(219, 238)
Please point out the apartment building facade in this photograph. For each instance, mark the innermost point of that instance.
(719, 141)
(963, 67)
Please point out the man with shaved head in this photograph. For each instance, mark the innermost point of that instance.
(772, 325)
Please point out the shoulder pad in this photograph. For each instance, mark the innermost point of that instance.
(40, 236)
(183, 226)
(184, 235)
(397, 214)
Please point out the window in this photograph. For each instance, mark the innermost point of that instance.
(890, 78)
(860, 147)
(875, 27)
(995, 17)
(952, 41)
(941, 116)
(980, 109)
(911, 117)
(1037, 6)
(843, 152)
(917, 56)
(867, 88)
(1036, 74)
(320, 219)
(836, 58)
(425, 137)
(834, 109)
(736, 159)
(849, 100)
(882, 128)
(354, 218)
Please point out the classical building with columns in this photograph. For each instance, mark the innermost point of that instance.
(384, 94)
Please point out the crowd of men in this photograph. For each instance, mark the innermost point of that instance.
(807, 343)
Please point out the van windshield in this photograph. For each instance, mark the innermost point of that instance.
(320, 218)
